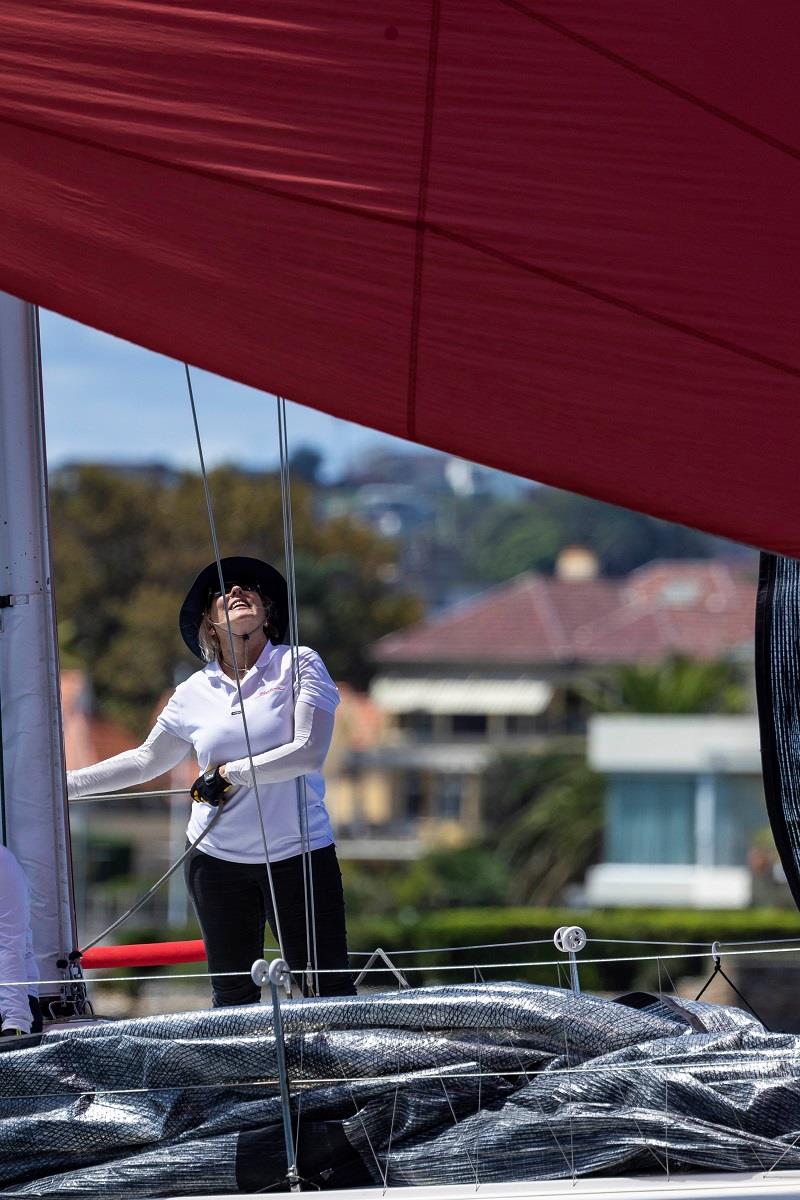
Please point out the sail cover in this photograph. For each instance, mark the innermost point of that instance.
(471, 1085)
(556, 237)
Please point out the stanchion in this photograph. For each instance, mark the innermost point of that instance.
(277, 973)
(569, 939)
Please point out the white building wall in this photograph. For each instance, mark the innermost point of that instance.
(707, 748)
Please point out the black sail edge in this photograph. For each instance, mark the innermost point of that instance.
(777, 661)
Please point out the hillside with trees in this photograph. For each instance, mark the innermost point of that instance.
(373, 551)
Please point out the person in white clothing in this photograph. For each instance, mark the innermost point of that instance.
(266, 816)
(19, 1005)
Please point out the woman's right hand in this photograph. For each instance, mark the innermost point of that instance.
(210, 788)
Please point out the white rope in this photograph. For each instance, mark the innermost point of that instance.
(218, 560)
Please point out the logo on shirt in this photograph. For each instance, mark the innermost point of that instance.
(262, 691)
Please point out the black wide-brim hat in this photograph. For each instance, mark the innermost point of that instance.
(238, 569)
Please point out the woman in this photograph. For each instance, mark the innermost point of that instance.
(263, 817)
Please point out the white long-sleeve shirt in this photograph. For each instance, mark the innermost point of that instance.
(17, 962)
(161, 751)
(288, 740)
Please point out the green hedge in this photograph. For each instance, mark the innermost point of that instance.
(627, 931)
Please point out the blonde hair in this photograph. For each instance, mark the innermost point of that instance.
(208, 642)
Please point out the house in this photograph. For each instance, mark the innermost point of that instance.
(684, 805)
(121, 836)
(87, 738)
(513, 669)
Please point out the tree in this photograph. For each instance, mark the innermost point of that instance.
(502, 538)
(679, 685)
(102, 528)
(465, 877)
(461, 877)
(305, 464)
(126, 548)
(509, 537)
(547, 821)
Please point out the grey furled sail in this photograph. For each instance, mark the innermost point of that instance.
(475, 1083)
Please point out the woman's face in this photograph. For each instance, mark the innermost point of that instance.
(246, 611)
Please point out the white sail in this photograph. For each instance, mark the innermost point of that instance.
(33, 805)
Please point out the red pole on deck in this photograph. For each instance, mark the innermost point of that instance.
(147, 954)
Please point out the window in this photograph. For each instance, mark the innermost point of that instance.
(418, 724)
(650, 819)
(740, 811)
(469, 724)
(448, 793)
(575, 709)
(411, 795)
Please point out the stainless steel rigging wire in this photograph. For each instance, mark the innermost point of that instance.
(215, 541)
(294, 644)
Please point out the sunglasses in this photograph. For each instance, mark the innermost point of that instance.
(244, 584)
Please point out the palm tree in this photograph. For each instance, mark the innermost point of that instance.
(678, 685)
(545, 815)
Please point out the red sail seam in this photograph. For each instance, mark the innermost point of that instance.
(627, 64)
(422, 207)
(436, 230)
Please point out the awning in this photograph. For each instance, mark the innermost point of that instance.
(472, 696)
(447, 759)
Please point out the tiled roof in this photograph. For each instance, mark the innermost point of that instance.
(700, 609)
(87, 739)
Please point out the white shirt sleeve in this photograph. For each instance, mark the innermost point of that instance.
(15, 945)
(316, 685)
(313, 729)
(159, 753)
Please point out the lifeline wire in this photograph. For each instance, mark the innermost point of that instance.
(444, 967)
(215, 542)
(294, 642)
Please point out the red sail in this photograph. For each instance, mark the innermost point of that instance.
(558, 237)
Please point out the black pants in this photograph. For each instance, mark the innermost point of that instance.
(233, 904)
(36, 1014)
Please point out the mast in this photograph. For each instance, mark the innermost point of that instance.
(34, 820)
